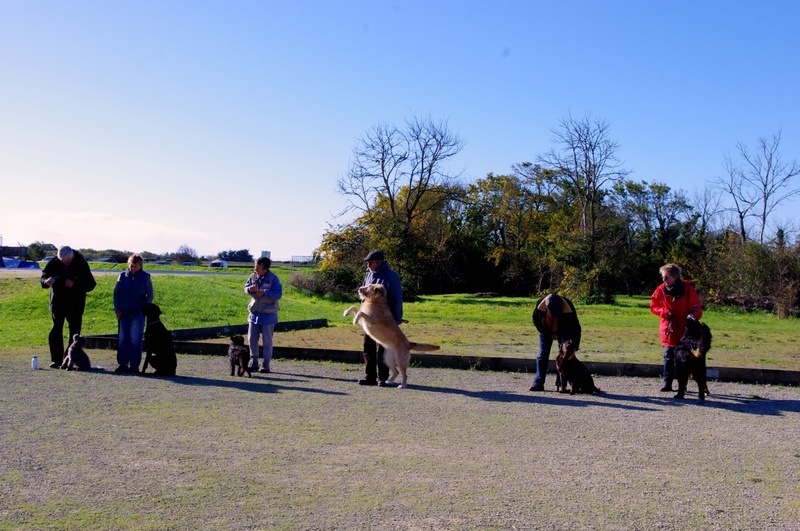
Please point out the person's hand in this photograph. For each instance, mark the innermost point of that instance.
(50, 281)
(118, 314)
(253, 288)
(69, 283)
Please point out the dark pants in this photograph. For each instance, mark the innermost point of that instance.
(543, 359)
(669, 365)
(375, 368)
(56, 337)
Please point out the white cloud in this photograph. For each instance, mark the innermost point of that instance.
(90, 229)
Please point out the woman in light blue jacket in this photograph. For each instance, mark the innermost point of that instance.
(265, 289)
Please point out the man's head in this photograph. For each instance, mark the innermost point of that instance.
(554, 305)
(374, 260)
(65, 254)
(262, 265)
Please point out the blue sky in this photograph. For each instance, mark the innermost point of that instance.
(147, 125)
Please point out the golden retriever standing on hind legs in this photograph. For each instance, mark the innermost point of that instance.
(377, 322)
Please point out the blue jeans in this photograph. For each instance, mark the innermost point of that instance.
(669, 365)
(265, 331)
(131, 333)
(543, 359)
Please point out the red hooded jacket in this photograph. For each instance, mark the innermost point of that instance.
(673, 311)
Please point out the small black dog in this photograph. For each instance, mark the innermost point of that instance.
(239, 356)
(158, 344)
(76, 356)
(572, 371)
(690, 358)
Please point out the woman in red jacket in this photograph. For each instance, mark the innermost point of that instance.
(673, 301)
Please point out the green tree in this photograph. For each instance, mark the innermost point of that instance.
(586, 164)
(242, 255)
(513, 210)
(38, 250)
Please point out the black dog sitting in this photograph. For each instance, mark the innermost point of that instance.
(76, 356)
(239, 356)
(158, 344)
(690, 357)
(573, 371)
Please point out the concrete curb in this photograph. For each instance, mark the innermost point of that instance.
(524, 365)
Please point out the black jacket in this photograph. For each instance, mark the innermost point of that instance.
(569, 328)
(64, 300)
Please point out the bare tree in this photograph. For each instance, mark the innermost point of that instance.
(744, 200)
(400, 169)
(587, 158)
(376, 168)
(707, 204)
(758, 182)
(769, 176)
(186, 254)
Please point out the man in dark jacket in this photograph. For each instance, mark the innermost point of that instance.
(376, 372)
(555, 319)
(69, 279)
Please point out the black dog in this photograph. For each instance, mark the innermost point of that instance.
(239, 356)
(572, 371)
(690, 358)
(158, 344)
(76, 356)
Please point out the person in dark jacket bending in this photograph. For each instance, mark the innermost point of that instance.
(69, 278)
(556, 320)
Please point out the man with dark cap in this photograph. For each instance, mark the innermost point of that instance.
(376, 372)
(555, 319)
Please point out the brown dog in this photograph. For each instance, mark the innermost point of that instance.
(76, 356)
(376, 319)
(573, 371)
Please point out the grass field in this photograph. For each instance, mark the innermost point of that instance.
(462, 324)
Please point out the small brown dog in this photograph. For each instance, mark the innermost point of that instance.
(378, 323)
(572, 371)
(239, 356)
(76, 356)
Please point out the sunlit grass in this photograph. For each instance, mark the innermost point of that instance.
(463, 324)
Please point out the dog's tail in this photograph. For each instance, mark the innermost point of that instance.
(424, 347)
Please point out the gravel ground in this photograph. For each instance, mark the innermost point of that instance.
(305, 447)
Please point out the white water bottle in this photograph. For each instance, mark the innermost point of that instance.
(35, 363)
